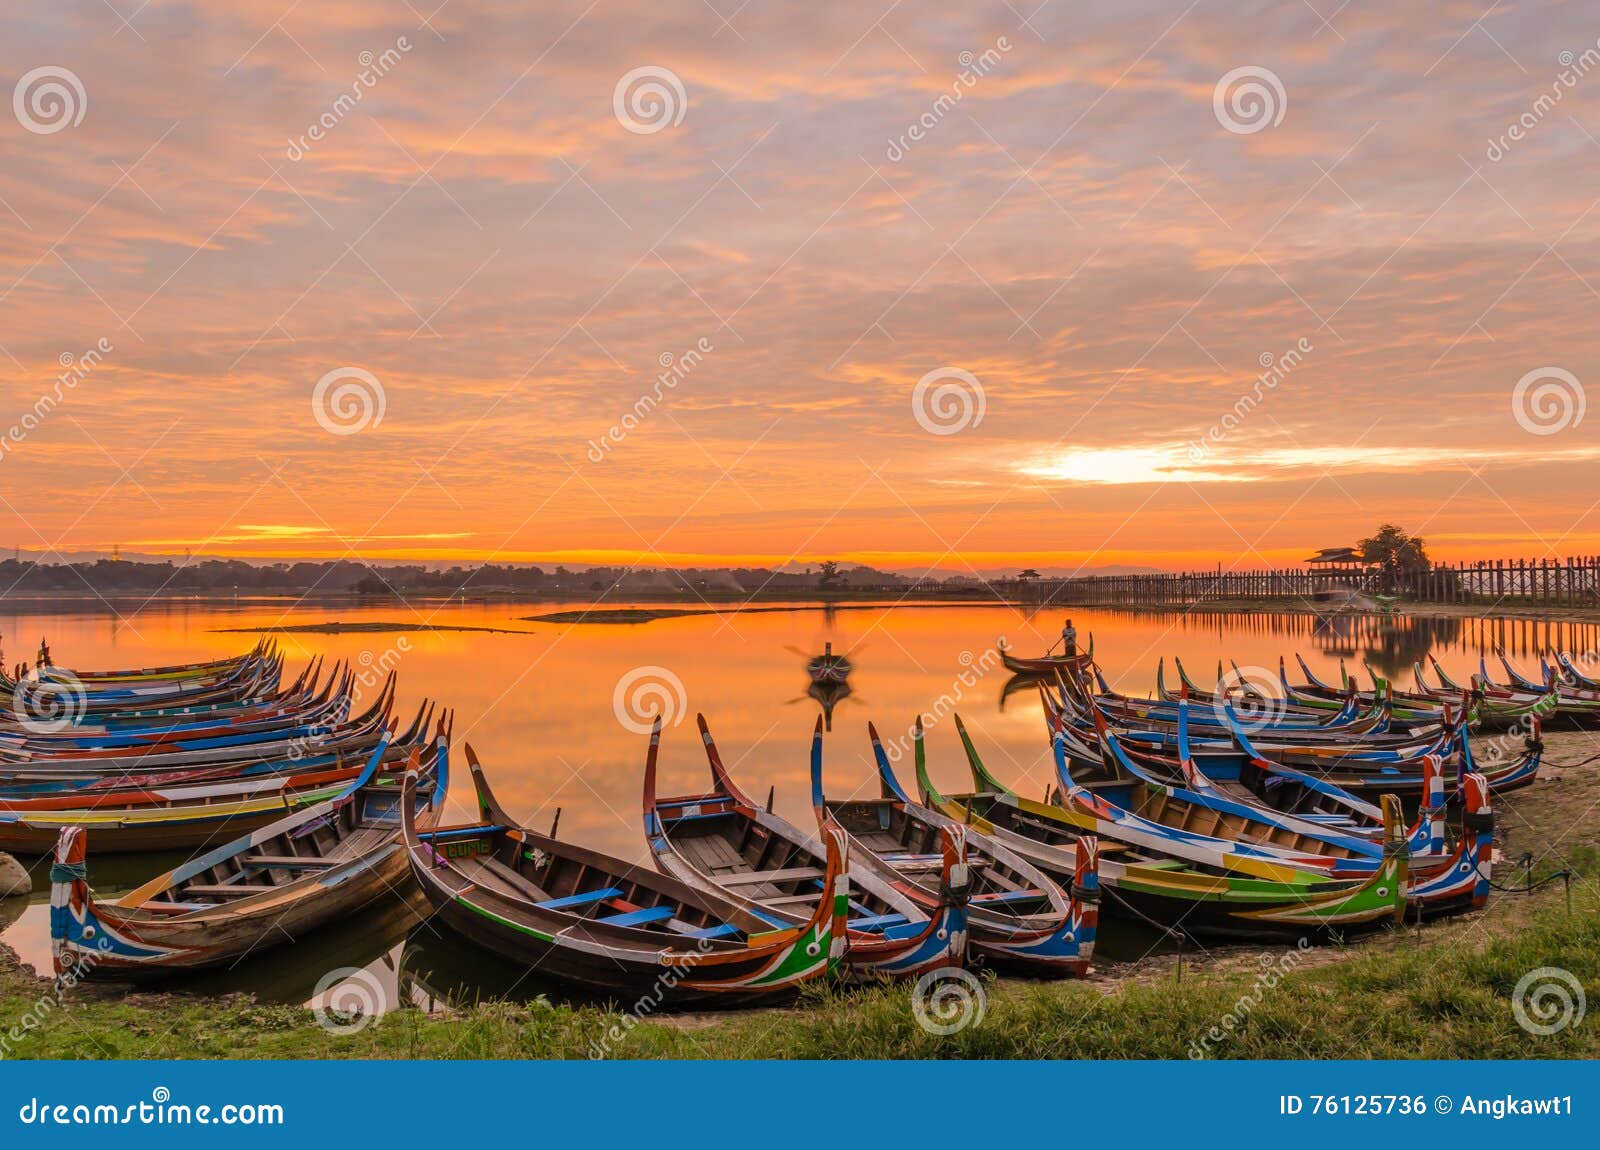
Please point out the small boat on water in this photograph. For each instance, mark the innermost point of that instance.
(613, 930)
(828, 667)
(260, 890)
(1045, 664)
(722, 842)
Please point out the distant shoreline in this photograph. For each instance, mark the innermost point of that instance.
(638, 609)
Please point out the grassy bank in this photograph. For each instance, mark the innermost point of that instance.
(1445, 996)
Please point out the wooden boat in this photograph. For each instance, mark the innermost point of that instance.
(1442, 878)
(180, 816)
(269, 886)
(88, 787)
(612, 929)
(1204, 891)
(191, 754)
(1496, 709)
(306, 691)
(722, 842)
(128, 735)
(828, 667)
(1571, 705)
(1018, 916)
(1407, 707)
(1045, 664)
(52, 704)
(46, 690)
(213, 668)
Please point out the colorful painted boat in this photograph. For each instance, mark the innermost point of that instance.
(1018, 917)
(268, 887)
(721, 841)
(828, 668)
(611, 929)
(1212, 893)
(183, 816)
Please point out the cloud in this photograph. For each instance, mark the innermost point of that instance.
(1079, 232)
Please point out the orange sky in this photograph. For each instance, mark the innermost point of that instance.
(1094, 248)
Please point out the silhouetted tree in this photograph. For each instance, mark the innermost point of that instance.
(1395, 557)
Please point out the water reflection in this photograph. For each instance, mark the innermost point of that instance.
(536, 702)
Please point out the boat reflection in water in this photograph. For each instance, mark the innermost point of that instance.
(1022, 683)
(829, 676)
(829, 696)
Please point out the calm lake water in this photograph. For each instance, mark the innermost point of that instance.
(542, 709)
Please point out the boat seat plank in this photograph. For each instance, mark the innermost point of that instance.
(1008, 896)
(495, 875)
(876, 922)
(236, 888)
(176, 907)
(720, 931)
(288, 862)
(773, 876)
(791, 900)
(639, 917)
(584, 899)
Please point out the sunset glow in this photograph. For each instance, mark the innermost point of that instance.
(964, 294)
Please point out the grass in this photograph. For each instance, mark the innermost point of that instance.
(1445, 996)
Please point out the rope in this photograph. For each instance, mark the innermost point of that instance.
(1529, 888)
(1172, 931)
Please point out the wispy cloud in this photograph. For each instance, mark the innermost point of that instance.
(1081, 233)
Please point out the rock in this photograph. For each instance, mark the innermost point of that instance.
(13, 879)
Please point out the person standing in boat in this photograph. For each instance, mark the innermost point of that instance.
(1069, 639)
